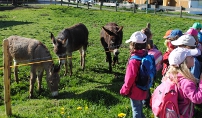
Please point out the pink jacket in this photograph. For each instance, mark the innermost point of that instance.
(188, 92)
(129, 88)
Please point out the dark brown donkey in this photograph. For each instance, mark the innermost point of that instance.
(69, 40)
(111, 37)
(26, 50)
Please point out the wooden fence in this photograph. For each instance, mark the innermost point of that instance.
(117, 6)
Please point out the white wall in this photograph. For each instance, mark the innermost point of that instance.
(195, 4)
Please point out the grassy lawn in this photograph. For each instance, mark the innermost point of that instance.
(93, 93)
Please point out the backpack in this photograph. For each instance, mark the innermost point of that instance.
(158, 58)
(147, 71)
(164, 101)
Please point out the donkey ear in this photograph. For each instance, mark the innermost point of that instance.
(64, 42)
(120, 29)
(54, 69)
(108, 31)
(148, 25)
(53, 38)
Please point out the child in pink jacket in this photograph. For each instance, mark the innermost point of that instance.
(137, 47)
(181, 60)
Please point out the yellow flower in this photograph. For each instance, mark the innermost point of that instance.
(68, 117)
(79, 108)
(62, 112)
(62, 108)
(86, 108)
(121, 115)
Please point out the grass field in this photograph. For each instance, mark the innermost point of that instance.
(93, 93)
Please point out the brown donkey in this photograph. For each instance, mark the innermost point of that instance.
(111, 37)
(25, 50)
(69, 40)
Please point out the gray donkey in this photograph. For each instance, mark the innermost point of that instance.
(26, 50)
(68, 41)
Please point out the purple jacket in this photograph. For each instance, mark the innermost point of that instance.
(188, 92)
(129, 87)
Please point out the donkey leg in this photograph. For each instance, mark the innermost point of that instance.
(32, 81)
(82, 57)
(109, 59)
(66, 67)
(39, 77)
(115, 60)
(16, 72)
(69, 61)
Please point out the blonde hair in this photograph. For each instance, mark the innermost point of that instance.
(182, 69)
(166, 42)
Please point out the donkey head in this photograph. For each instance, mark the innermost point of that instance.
(60, 44)
(53, 80)
(113, 38)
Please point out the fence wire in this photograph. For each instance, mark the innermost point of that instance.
(35, 61)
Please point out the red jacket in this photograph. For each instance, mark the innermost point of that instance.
(129, 87)
(165, 62)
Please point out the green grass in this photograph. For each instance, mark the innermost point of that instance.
(95, 90)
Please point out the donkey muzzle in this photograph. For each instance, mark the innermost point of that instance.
(116, 52)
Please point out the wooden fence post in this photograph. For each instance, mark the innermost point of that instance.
(61, 2)
(155, 8)
(134, 8)
(7, 75)
(180, 11)
(101, 3)
(77, 5)
(88, 3)
(146, 6)
(68, 2)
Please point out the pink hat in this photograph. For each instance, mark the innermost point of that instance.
(192, 32)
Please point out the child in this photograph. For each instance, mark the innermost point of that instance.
(197, 26)
(200, 37)
(181, 60)
(193, 32)
(137, 47)
(167, 41)
(188, 41)
(175, 34)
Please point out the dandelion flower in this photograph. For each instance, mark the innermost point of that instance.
(79, 108)
(62, 112)
(86, 108)
(62, 108)
(121, 115)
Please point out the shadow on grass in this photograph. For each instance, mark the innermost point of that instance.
(99, 97)
(11, 23)
(16, 116)
(95, 96)
(100, 70)
(3, 8)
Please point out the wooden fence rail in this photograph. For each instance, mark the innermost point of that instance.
(116, 6)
